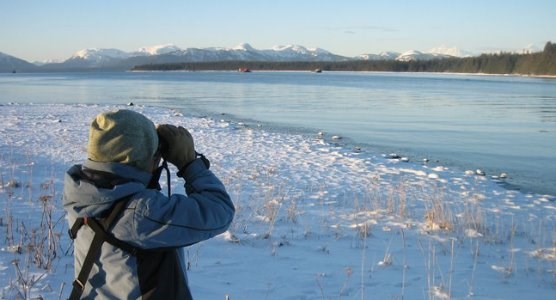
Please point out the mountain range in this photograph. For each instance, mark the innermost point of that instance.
(115, 59)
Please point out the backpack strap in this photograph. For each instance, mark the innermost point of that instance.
(101, 235)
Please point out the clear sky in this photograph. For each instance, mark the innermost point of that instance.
(56, 29)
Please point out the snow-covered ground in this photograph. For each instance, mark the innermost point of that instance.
(315, 220)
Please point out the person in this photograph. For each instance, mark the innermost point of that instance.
(140, 253)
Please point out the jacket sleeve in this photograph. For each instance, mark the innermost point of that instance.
(182, 220)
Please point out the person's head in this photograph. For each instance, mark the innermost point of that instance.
(123, 136)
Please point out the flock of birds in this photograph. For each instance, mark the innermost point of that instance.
(394, 156)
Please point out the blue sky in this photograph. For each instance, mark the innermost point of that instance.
(39, 29)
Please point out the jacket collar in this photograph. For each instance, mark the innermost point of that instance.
(120, 169)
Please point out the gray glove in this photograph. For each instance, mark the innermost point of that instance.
(179, 149)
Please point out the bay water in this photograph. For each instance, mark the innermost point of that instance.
(493, 123)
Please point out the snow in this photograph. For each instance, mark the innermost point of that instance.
(158, 49)
(297, 49)
(381, 56)
(243, 47)
(246, 52)
(411, 55)
(315, 220)
(418, 55)
(114, 57)
(450, 51)
(96, 54)
(47, 61)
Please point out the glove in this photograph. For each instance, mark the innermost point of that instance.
(179, 149)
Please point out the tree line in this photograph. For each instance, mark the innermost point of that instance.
(539, 63)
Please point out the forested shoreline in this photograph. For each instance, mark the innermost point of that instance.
(539, 63)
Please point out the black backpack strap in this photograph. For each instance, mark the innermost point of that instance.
(79, 282)
(94, 250)
(75, 228)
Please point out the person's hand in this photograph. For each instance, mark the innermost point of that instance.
(179, 148)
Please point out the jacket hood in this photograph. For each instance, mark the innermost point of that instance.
(82, 198)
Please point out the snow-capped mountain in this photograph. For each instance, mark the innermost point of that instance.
(450, 51)
(115, 59)
(387, 55)
(434, 53)
(241, 47)
(100, 55)
(169, 53)
(294, 52)
(47, 61)
(418, 55)
(531, 48)
(245, 51)
(10, 63)
(92, 57)
(156, 50)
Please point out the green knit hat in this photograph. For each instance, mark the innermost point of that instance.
(123, 136)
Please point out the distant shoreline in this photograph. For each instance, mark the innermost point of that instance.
(390, 72)
(284, 70)
(534, 64)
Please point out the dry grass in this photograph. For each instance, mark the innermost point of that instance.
(267, 207)
(35, 243)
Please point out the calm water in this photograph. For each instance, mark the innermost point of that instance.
(496, 123)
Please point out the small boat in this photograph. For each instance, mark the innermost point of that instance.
(317, 70)
(244, 70)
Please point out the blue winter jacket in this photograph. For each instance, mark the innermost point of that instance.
(150, 220)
